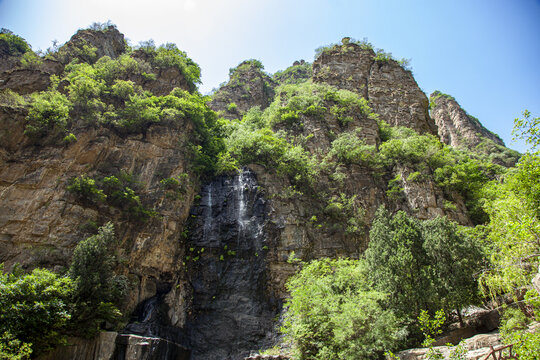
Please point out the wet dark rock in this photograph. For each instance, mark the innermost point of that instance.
(232, 311)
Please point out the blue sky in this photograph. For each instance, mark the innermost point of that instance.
(485, 53)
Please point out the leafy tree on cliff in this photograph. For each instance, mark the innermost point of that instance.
(398, 262)
(334, 314)
(98, 291)
(454, 259)
(423, 265)
(34, 310)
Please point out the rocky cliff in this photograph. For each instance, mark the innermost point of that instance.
(391, 90)
(460, 130)
(207, 268)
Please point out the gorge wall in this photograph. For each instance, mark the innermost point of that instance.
(207, 273)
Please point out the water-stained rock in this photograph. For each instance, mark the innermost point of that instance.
(232, 311)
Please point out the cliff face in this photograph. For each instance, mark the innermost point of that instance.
(391, 90)
(207, 271)
(461, 130)
(457, 128)
(41, 221)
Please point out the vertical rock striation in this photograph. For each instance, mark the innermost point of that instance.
(391, 90)
(455, 127)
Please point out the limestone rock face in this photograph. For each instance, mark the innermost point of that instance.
(26, 81)
(461, 130)
(41, 222)
(109, 42)
(395, 96)
(391, 90)
(455, 127)
(248, 86)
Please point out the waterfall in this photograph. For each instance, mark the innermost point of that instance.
(231, 313)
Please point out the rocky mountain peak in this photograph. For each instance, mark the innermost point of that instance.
(389, 87)
(455, 126)
(248, 86)
(107, 41)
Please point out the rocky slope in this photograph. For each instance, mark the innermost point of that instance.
(207, 272)
(461, 130)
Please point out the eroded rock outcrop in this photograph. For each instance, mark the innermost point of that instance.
(391, 90)
(455, 127)
(107, 42)
(248, 86)
(459, 129)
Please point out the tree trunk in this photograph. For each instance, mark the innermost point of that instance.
(461, 324)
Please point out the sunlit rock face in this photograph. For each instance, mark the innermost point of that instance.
(390, 89)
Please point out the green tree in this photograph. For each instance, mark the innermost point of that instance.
(34, 310)
(333, 314)
(423, 265)
(514, 228)
(98, 291)
(454, 259)
(398, 262)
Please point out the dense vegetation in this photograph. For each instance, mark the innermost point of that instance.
(417, 267)
(39, 309)
(14, 44)
(108, 93)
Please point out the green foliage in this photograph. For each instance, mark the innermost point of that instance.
(425, 265)
(382, 56)
(34, 309)
(12, 99)
(455, 171)
(167, 56)
(48, 112)
(245, 66)
(431, 327)
(98, 290)
(454, 258)
(333, 314)
(176, 184)
(345, 210)
(398, 262)
(496, 153)
(395, 190)
(407, 147)
(86, 188)
(232, 107)
(247, 143)
(15, 44)
(31, 60)
(101, 96)
(527, 128)
(70, 138)
(514, 330)
(12, 348)
(117, 191)
(295, 74)
(514, 227)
